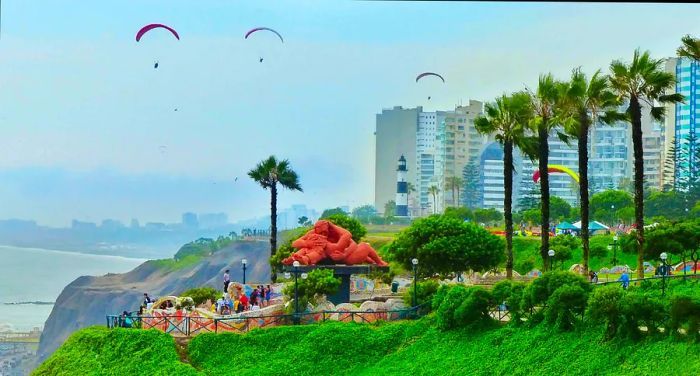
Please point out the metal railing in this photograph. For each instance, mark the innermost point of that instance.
(181, 325)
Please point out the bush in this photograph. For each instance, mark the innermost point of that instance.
(439, 296)
(356, 228)
(474, 310)
(512, 294)
(424, 292)
(450, 303)
(201, 294)
(640, 310)
(318, 282)
(285, 250)
(598, 251)
(538, 292)
(685, 314)
(565, 305)
(604, 308)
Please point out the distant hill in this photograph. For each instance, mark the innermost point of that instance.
(87, 300)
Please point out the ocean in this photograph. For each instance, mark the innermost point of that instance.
(31, 275)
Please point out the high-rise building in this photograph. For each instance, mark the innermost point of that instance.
(680, 131)
(189, 220)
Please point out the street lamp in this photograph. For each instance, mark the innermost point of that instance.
(613, 246)
(244, 262)
(415, 280)
(296, 289)
(551, 259)
(663, 274)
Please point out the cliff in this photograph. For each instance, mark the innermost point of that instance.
(87, 300)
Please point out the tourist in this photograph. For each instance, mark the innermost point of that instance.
(147, 299)
(625, 279)
(220, 304)
(254, 296)
(227, 280)
(237, 306)
(244, 302)
(126, 321)
(261, 294)
(268, 293)
(254, 307)
(227, 301)
(593, 276)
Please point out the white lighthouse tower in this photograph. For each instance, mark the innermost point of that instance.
(401, 189)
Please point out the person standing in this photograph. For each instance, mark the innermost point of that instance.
(227, 280)
(268, 293)
(625, 279)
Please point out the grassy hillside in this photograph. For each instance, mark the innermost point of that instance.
(100, 351)
(388, 349)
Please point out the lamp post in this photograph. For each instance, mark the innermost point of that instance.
(244, 262)
(613, 246)
(551, 259)
(296, 289)
(415, 280)
(663, 275)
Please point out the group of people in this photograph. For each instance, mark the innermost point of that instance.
(240, 301)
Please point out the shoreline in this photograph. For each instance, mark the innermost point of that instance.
(34, 249)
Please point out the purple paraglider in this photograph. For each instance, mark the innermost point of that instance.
(150, 27)
(251, 31)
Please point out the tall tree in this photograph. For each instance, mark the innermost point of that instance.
(454, 183)
(507, 119)
(690, 48)
(644, 80)
(471, 184)
(544, 102)
(268, 174)
(434, 190)
(587, 101)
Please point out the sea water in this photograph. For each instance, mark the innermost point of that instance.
(39, 275)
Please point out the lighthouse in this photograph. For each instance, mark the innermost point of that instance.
(401, 189)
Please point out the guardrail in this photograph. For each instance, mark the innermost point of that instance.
(181, 325)
(652, 278)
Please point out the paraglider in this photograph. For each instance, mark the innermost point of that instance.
(425, 74)
(150, 27)
(556, 169)
(254, 30)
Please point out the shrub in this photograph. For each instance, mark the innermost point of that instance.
(565, 304)
(604, 308)
(439, 296)
(285, 249)
(538, 292)
(356, 228)
(318, 282)
(511, 293)
(201, 294)
(598, 251)
(640, 310)
(446, 312)
(474, 309)
(685, 314)
(424, 292)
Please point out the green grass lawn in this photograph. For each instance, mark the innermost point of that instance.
(402, 348)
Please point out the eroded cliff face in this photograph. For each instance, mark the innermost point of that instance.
(87, 300)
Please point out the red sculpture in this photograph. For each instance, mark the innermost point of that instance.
(328, 241)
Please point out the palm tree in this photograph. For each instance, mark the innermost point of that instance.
(434, 190)
(584, 102)
(454, 183)
(690, 48)
(507, 119)
(642, 80)
(410, 188)
(268, 173)
(544, 103)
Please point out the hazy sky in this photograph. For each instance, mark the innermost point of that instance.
(90, 131)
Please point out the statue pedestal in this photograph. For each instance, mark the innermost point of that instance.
(343, 272)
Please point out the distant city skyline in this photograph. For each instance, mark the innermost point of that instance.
(90, 131)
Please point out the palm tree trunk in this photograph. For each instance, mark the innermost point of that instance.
(273, 226)
(453, 195)
(636, 114)
(583, 185)
(544, 189)
(458, 203)
(508, 204)
(434, 203)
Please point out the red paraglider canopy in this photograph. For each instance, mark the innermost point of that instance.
(150, 27)
(263, 28)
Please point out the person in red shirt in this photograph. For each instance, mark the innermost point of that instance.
(244, 301)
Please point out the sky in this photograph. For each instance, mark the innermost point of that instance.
(89, 129)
